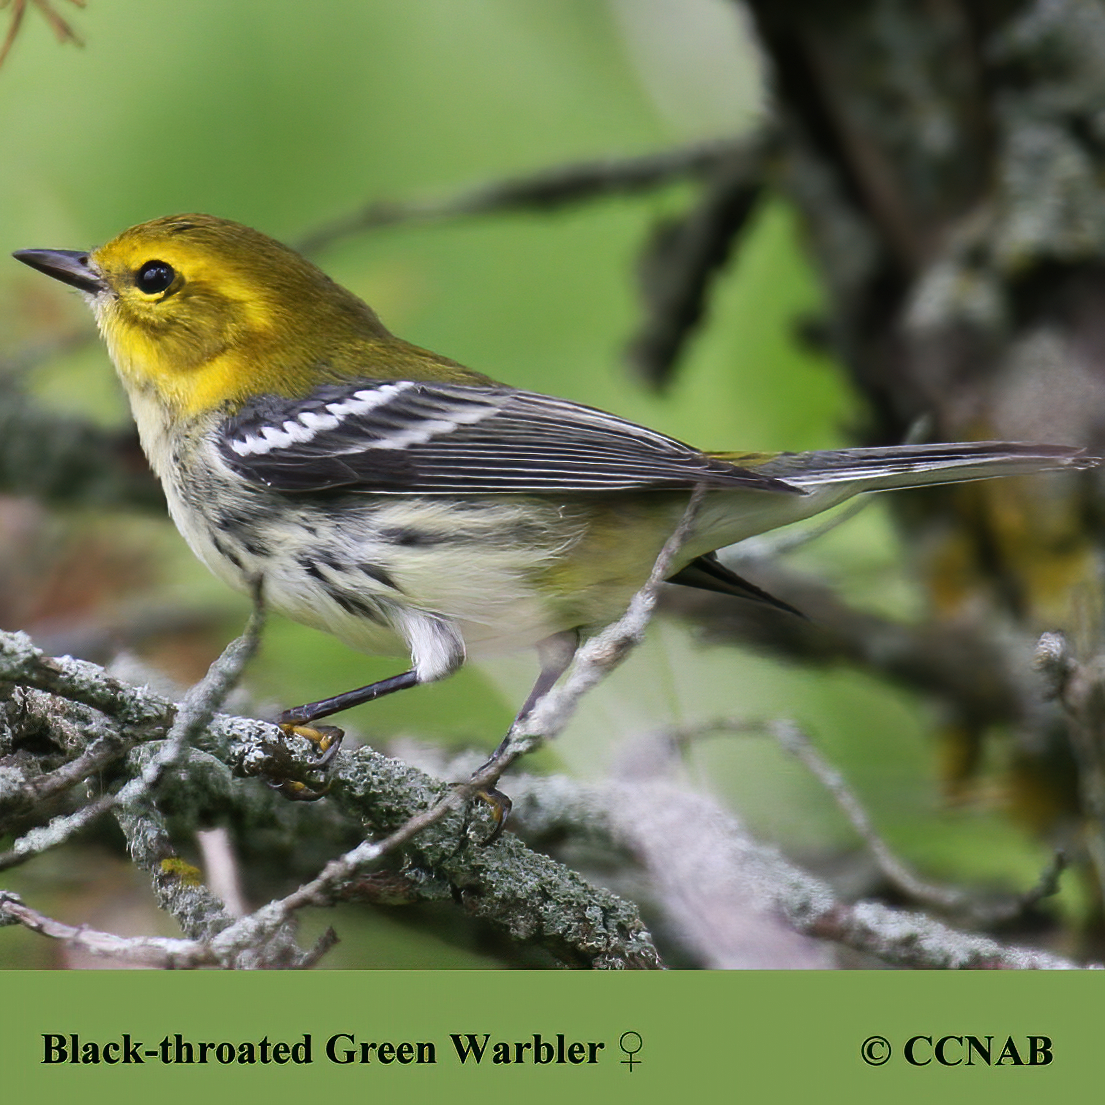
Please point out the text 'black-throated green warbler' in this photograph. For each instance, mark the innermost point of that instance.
(403, 502)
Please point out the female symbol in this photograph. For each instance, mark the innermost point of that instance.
(630, 1043)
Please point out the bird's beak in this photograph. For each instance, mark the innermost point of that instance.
(68, 266)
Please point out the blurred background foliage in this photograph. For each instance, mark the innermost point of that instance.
(287, 115)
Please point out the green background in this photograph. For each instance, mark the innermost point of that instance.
(764, 1036)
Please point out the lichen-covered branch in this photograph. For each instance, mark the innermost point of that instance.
(528, 895)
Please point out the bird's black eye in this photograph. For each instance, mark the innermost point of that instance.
(154, 277)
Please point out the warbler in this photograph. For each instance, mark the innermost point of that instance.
(404, 503)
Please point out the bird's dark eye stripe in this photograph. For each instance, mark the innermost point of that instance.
(154, 277)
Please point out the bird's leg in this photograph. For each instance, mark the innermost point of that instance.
(300, 719)
(312, 711)
(554, 654)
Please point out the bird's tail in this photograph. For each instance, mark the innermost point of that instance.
(883, 468)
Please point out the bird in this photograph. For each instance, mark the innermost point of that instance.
(405, 503)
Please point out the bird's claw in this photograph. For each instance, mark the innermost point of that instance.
(327, 741)
(295, 791)
(326, 738)
(500, 811)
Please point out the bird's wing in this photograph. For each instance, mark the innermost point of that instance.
(403, 436)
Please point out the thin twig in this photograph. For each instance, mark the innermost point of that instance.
(545, 190)
(61, 28)
(604, 652)
(896, 870)
(794, 741)
(165, 952)
(146, 951)
(96, 757)
(681, 262)
(193, 716)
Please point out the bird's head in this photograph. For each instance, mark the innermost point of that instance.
(202, 313)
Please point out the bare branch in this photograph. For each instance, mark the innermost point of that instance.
(961, 665)
(916, 940)
(684, 257)
(604, 652)
(545, 190)
(899, 874)
(726, 894)
(60, 27)
(145, 951)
